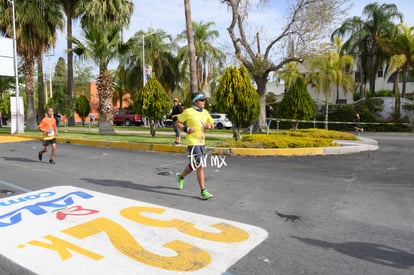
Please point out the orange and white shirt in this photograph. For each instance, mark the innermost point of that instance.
(48, 127)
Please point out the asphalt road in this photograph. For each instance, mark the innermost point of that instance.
(344, 214)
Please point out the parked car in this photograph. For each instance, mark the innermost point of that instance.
(127, 118)
(221, 121)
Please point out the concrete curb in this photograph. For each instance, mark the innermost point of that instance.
(346, 147)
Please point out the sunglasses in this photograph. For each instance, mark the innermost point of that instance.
(202, 100)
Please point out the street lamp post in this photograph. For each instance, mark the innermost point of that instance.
(18, 126)
(143, 57)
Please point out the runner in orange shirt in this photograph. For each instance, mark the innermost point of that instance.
(49, 129)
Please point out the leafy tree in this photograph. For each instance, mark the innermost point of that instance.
(60, 74)
(61, 102)
(153, 102)
(82, 108)
(297, 103)
(6, 83)
(4, 105)
(237, 97)
(36, 31)
(307, 22)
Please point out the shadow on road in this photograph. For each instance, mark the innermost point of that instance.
(377, 253)
(20, 159)
(135, 186)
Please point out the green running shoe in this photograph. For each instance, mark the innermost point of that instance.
(205, 195)
(180, 181)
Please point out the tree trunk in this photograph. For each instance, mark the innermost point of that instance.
(28, 69)
(404, 82)
(326, 113)
(260, 125)
(191, 47)
(152, 127)
(41, 90)
(236, 133)
(397, 103)
(71, 120)
(105, 94)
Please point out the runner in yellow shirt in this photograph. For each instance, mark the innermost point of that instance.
(194, 121)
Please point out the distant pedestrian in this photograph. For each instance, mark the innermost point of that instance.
(357, 120)
(176, 110)
(58, 118)
(194, 121)
(91, 119)
(269, 115)
(49, 130)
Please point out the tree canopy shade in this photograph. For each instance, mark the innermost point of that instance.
(237, 97)
(297, 103)
(153, 102)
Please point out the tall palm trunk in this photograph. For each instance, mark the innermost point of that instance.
(71, 120)
(105, 95)
(191, 47)
(397, 113)
(41, 89)
(28, 70)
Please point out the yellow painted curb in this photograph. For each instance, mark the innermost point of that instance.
(8, 138)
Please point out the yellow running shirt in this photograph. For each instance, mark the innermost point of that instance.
(196, 120)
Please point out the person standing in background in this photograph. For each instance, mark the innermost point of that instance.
(58, 117)
(269, 115)
(49, 130)
(176, 110)
(91, 119)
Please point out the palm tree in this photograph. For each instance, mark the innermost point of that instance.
(323, 76)
(401, 49)
(106, 12)
(356, 45)
(343, 65)
(208, 58)
(158, 52)
(36, 32)
(101, 45)
(368, 35)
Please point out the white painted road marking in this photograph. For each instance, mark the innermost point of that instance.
(81, 231)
